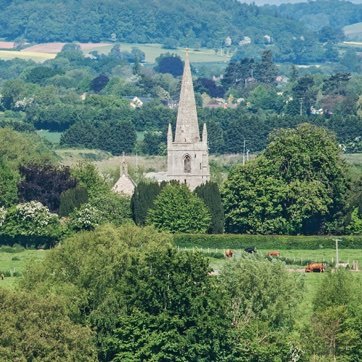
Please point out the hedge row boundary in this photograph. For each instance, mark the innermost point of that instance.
(272, 242)
(29, 241)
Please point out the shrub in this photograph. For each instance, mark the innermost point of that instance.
(86, 217)
(32, 224)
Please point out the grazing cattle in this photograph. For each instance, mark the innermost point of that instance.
(229, 253)
(273, 253)
(250, 249)
(315, 267)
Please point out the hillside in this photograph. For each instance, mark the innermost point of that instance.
(188, 23)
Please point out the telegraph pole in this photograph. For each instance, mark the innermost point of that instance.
(244, 147)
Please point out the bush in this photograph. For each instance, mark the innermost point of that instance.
(71, 199)
(86, 217)
(30, 224)
(16, 248)
(281, 242)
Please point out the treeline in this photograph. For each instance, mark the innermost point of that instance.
(299, 185)
(89, 99)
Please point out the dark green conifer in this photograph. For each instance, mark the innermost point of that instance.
(142, 200)
(210, 194)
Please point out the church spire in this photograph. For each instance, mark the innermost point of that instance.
(187, 127)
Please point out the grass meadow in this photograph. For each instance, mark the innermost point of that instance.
(353, 31)
(26, 55)
(14, 263)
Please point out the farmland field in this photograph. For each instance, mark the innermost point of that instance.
(15, 263)
(52, 137)
(27, 55)
(353, 32)
(152, 51)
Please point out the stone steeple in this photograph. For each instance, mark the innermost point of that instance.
(187, 154)
(187, 127)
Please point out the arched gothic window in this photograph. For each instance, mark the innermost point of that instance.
(187, 164)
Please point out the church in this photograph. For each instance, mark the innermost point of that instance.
(187, 152)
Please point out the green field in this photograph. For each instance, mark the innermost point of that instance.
(71, 156)
(52, 137)
(152, 51)
(15, 262)
(37, 57)
(353, 32)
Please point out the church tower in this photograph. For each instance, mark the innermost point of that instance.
(187, 154)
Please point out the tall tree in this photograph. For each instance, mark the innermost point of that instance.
(9, 180)
(210, 194)
(176, 209)
(45, 183)
(299, 184)
(143, 199)
(266, 71)
(172, 315)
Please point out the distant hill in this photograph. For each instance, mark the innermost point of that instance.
(318, 14)
(187, 23)
(291, 31)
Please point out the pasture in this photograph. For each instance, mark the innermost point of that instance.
(353, 32)
(13, 262)
(26, 55)
(52, 137)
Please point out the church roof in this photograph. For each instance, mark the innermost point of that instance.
(125, 185)
(187, 126)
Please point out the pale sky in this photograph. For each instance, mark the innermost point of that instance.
(277, 2)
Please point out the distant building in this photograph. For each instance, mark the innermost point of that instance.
(187, 153)
(228, 41)
(125, 185)
(245, 41)
(267, 39)
(136, 103)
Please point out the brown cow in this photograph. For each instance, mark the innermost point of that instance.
(229, 253)
(315, 267)
(274, 253)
